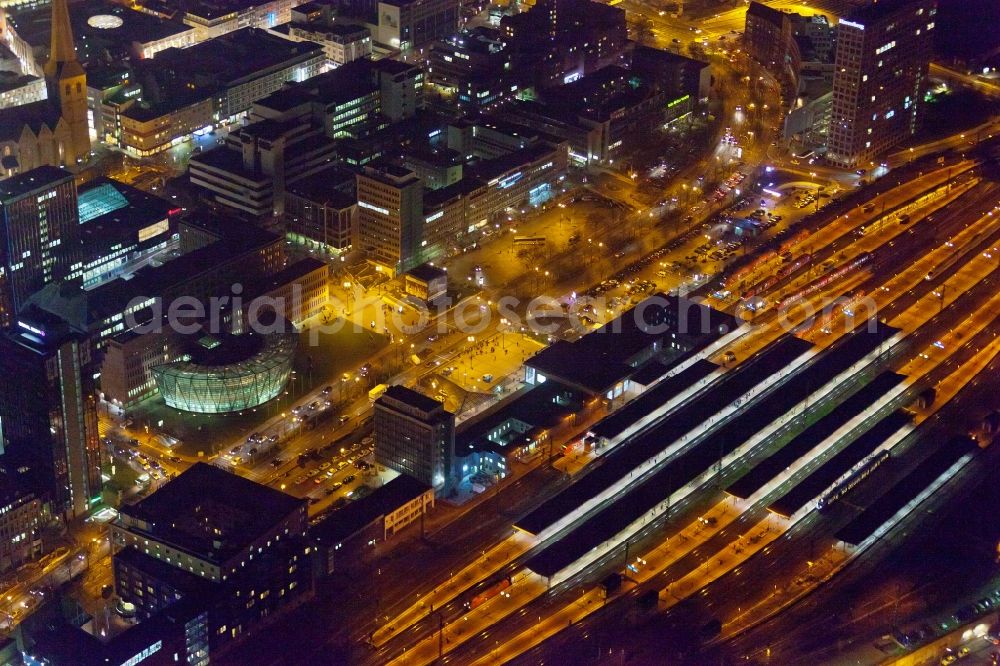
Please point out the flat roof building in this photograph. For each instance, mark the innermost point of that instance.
(603, 361)
(215, 539)
(390, 216)
(414, 435)
(347, 535)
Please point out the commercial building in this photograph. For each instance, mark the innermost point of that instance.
(415, 435)
(524, 424)
(346, 537)
(41, 235)
(477, 64)
(342, 42)
(559, 41)
(603, 114)
(213, 19)
(22, 517)
(218, 256)
(436, 167)
(408, 24)
(223, 373)
(615, 105)
(426, 283)
(105, 31)
(252, 171)
(146, 130)
(49, 415)
(883, 52)
(525, 176)
(17, 89)
(212, 82)
(53, 233)
(767, 33)
(319, 211)
(297, 293)
(490, 137)
(800, 51)
(401, 88)
(675, 75)
(121, 228)
(235, 549)
(110, 90)
(352, 101)
(390, 217)
(129, 357)
(294, 131)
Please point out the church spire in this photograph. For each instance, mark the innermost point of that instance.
(66, 82)
(62, 50)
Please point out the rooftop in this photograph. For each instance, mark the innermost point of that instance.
(212, 512)
(695, 459)
(104, 202)
(214, 9)
(355, 516)
(426, 272)
(325, 187)
(31, 181)
(410, 397)
(489, 169)
(340, 85)
(84, 309)
(434, 198)
(63, 643)
(601, 358)
(98, 25)
(538, 406)
(231, 161)
(14, 80)
(761, 10)
(805, 441)
(235, 56)
(390, 173)
(879, 9)
(286, 275)
(287, 98)
(630, 454)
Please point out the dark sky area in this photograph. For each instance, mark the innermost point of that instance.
(968, 28)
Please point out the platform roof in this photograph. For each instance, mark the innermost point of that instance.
(905, 490)
(657, 488)
(631, 453)
(821, 479)
(771, 466)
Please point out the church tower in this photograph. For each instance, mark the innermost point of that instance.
(67, 85)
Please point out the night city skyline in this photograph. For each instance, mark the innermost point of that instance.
(480, 332)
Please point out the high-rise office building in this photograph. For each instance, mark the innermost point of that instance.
(883, 51)
(48, 417)
(39, 229)
(414, 435)
(390, 217)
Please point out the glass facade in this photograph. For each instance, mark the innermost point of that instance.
(100, 200)
(217, 389)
